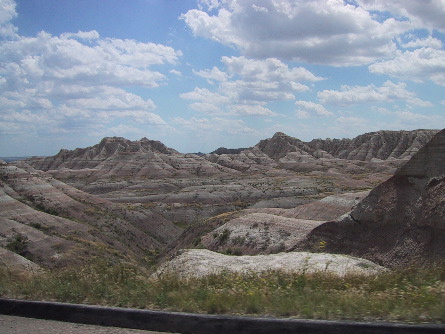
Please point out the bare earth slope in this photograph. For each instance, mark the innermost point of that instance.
(401, 221)
(264, 230)
(136, 196)
(277, 172)
(52, 223)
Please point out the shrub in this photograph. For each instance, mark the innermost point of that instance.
(18, 244)
(224, 236)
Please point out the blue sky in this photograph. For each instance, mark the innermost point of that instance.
(200, 74)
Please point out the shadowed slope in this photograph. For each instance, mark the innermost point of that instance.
(402, 220)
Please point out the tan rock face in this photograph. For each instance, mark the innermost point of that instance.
(201, 262)
(402, 220)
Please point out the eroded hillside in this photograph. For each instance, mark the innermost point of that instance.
(53, 224)
(134, 198)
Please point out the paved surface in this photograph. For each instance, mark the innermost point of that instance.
(17, 325)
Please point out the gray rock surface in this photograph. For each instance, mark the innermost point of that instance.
(401, 221)
(202, 262)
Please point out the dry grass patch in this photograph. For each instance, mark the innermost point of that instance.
(408, 295)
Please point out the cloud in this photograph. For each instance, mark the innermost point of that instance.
(175, 72)
(72, 81)
(209, 4)
(205, 107)
(214, 74)
(424, 64)
(270, 69)
(318, 31)
(416, 42)
(206, 96)
(252, 110)
(408, 116)
(216, 125)
(126, 131)
(247, 85)
(416, 102)
(7, 13)
(86, 35)
(349, 95)
(308, 107)
(403, 119)
(424, 14)
(110, 98)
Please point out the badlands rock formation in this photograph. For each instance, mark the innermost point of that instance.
(201, 262)
(265, 231)
(401, 221)
(262, 230)
(120, 158)
(277, 172)
(51, 223)
(132, 197)
(380, 145)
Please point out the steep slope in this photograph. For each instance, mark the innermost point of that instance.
(380, 145)
(272, 230)
(370, 152)
(262, 231)
(281, 144)
(374, 145)
(117, 157)
(53, 224)
(185, 188)
(401, 221)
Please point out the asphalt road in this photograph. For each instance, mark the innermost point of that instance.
(18, 325)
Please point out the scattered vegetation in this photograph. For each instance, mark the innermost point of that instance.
(40, 226)
(18, 244)
(48, 210)
(224, 236)
(406, 295)
(233, 251)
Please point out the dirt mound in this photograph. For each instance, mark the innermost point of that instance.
(202, 262)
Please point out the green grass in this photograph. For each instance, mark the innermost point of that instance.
(409, 295)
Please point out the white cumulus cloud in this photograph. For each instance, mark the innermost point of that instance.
(247, 85)
(429, 14)
(309, 107)
(7, 13)
(349, 95)
(418, 65)
(331, 32)
(74, 80)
